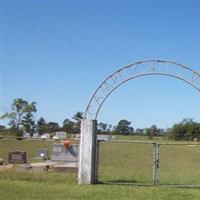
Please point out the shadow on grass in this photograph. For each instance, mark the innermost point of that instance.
(146, 184)
(188, 186)
(124, 182)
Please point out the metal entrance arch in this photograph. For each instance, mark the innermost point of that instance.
(87, 173)
(142, 68)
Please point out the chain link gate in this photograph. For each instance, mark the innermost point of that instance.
(179, 164)
(169, 164)
(114, 167)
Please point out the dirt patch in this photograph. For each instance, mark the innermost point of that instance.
(5, 167)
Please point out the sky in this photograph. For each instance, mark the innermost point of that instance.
(56, 53)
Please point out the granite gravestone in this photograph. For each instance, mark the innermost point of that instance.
(16, 157)
(62, 154)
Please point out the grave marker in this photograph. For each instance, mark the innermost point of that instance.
(15, 157)
(62, 154)
(42, 154)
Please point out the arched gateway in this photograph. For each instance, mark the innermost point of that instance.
(88, 152)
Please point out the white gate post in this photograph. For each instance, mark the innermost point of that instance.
(87, 152)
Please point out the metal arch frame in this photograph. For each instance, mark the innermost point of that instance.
(193, 79)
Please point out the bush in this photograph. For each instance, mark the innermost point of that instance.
(187, 129)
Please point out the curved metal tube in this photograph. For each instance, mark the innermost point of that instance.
(138, 75)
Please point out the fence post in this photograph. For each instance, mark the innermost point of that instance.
(156, 165)
(87, 152)
(97, 162)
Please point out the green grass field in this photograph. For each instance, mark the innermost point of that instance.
(121, 168)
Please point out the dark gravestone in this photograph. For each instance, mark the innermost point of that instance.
(17, 157)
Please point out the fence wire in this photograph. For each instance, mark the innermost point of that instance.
(180, 164)
(126, 162)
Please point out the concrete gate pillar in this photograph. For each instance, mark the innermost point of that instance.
(87, 152)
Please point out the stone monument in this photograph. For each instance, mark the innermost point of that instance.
(17, 157)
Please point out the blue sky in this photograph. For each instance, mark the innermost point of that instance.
(57, 52)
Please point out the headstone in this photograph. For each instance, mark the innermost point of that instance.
(36, 135)
(62, 154)
(17, 157)
(42, 154)
(45, 136)
(104, 137)
(61, 135)
(26, 135)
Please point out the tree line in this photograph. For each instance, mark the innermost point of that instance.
(21, 118)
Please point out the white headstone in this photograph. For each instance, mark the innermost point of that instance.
(61, 134)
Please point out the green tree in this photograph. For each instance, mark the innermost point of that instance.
(53, 126)
(28, 123)
(187, 129)
(109, 127)
(78, 116)
(123, 127)
(139, 131)
(68, 126)
(41, 126)
(20, 108)
(152, 131)
(102, 127)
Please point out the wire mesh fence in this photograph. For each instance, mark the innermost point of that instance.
(180, 164)
(126, 162)
(149, 163)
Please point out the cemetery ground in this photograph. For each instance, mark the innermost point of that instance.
(122, 167)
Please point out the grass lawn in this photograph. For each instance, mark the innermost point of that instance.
(24, 190)
(121, 167)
